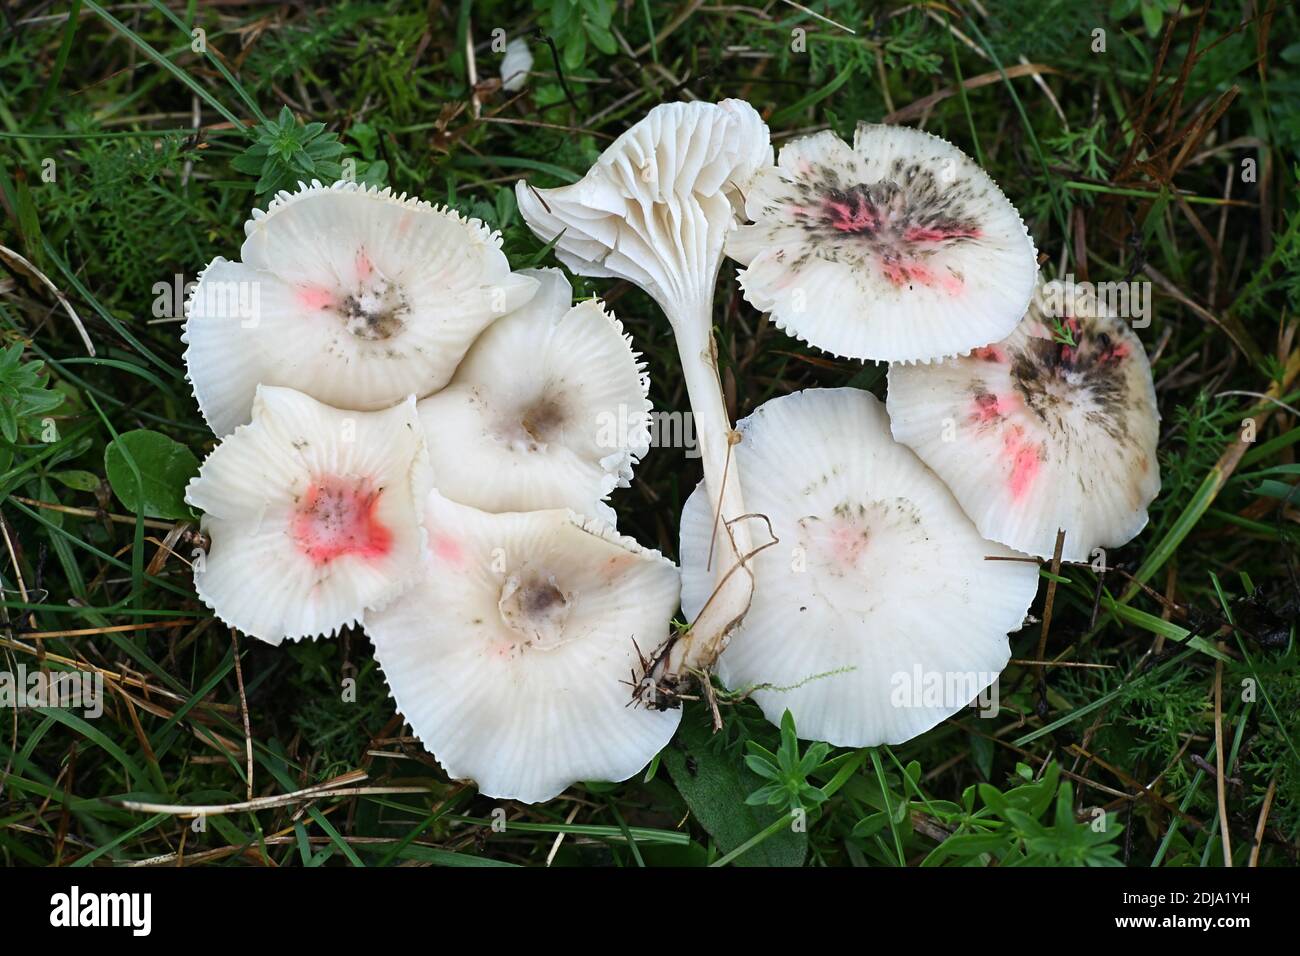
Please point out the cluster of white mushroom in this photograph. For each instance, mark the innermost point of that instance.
(418, 439)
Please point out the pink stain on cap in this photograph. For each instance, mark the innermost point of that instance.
(901, 272)
(896, 272)
(365, 268)
(985, 408)
(855, 217)
(337, 517)
(940, 233)
(1025, 463)
(989, 353)
(847, 543)
(1113, 354)
(315, 298)
(952, 284)
(446, 549)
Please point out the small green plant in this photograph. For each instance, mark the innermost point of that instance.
(1083, 148)
(1010, 829)
(287, 151)
(1062, 332)
(786, 771)
(25, 397)
(574, 23)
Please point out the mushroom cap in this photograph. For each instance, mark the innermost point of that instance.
(1033, 435)
(353, 295)
(548, 410)
(877, 576)
(516, 63)
(508, 658)
(313, 515)
(900, 249)
(656, 206)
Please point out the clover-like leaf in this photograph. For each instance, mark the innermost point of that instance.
(163, 467)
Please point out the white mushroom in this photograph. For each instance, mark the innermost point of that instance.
(510, 657)
(548, 410)
(655, 210)
(515, 64)
(313, 515)
(350, 294)
(1055, 427)
(878, 587)
(899, 249)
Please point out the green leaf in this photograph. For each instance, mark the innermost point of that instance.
(1152, 17)
(981, 749)
(870, 825)
(715, 786)
(968, 845)
(602, 39)
(762, 767)
(164, 466)
(575, 50)
(772, 794)
(8, 420)
(366, 137)
(600, 12)
(77, 480)
(561, 10)
(1269, 488)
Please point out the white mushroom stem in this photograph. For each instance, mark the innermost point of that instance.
(698, 647)
(655, 210)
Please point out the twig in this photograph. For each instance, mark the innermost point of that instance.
(14, 258)
(114, 629)
(559, 837)
(813, 13)
(917, 107)
(243, 707)
(1263, 819)
(92, 513)
(328, 789)
(1220, 783)
(1047, 615)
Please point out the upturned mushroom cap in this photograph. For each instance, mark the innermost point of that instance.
(516, 63)
(313, 515)
(548, 410)
(899, 249)
(1033, 435)
(511, 656)
(878, 581)
(350, 294)
(656, 206)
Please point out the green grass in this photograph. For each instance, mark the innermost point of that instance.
(127, 159)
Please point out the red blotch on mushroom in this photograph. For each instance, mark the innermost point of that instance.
(336, 517)
(1024, 457)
